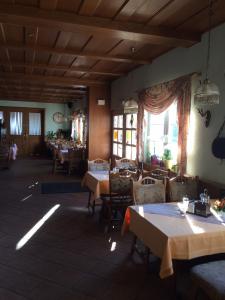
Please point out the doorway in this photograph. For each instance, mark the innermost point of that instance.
(24, 127)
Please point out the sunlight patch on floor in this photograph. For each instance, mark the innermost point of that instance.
(36, 227)
(24, 199)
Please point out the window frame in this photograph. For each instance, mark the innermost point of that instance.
(124, 131)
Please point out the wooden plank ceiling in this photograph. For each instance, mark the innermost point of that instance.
(53, 50)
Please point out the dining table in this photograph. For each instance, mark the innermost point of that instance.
(98, 183)
(172, 235)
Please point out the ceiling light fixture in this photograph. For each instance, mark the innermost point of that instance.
(207, 93)
(130, 106)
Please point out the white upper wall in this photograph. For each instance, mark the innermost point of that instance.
(171, 65)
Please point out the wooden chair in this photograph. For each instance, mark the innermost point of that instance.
(181, 186)
(98, 165)
(75, 158)
(4, 156)
(125, 163)
(57, 165)
(120, 197)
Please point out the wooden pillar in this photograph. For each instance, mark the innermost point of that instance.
(99, 123)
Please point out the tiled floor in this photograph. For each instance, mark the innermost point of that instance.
(70, 256)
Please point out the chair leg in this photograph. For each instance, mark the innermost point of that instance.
(69, 169)
(54, 167)
(93, 208)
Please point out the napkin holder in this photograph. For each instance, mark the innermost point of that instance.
(199, 208)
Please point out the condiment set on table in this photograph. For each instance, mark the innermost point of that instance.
(198, 207)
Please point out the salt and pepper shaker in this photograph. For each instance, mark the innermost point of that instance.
(204, 197)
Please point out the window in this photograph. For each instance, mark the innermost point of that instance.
(16, 121)
(125, 135)
(160, 132)
(77, 132)
(118, 135)
(34, 124)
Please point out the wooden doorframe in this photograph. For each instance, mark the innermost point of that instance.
(26, 110)
(8, 109)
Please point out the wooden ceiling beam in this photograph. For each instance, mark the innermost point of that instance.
(61, 68)
(34, 85)
(75, 53)
(62, 81)
(44, 95)
(46, 91)
(16, 98)
(71, 22)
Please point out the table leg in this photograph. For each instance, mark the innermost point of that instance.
(93, 208)
(89, 199)
(133, 245)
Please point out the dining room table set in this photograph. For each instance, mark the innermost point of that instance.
(172, 231)
(176, 231)
(62, 146)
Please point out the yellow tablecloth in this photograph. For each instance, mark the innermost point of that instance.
(175, 237)
(97, 182)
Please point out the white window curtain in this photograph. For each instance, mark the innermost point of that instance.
(34, 124)
(16, 123)
(77, 129)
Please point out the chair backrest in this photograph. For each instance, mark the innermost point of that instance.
(149, 190)
(75, 154)
(182, 186)
(98, 165)
(124, 163)
(135, 175)
(120, 183)
(156, 174)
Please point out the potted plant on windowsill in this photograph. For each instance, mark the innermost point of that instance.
(167, 159)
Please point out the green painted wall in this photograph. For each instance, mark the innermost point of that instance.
(50, 109)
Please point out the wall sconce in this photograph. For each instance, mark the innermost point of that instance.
(206, 115)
